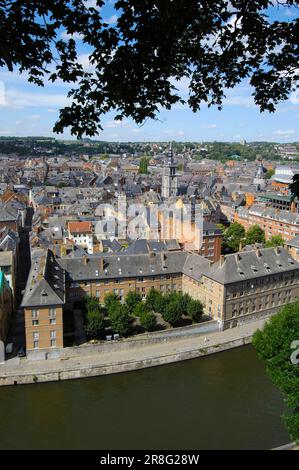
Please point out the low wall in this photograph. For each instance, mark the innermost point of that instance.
(133, 342)
(125, 366)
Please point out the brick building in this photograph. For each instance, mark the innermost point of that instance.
(237, 289)
(272, 221)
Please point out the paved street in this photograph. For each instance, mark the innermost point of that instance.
(24, 366)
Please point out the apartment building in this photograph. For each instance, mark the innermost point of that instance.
(272, 221)
(81, 234)
(43, 302)
(239, 288)
(245, 286)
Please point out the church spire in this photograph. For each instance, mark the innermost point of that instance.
(170, 155)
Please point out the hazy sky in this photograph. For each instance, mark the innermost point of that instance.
(30, 110)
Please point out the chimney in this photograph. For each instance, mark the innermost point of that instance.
(240, 246)
(101, 264)
(85, 260)
(258, 253)
(163, 259)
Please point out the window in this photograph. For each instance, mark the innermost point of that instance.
(35, 340)
(34, 322)
(52, 312)
(53, 338)
(34, 313)
(98, 294)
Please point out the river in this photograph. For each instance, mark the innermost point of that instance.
(223, 401)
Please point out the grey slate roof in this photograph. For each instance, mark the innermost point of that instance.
(46, 281)
(122, 266)
(248, 265)
(269, 213)
(293, 242)
(8, 213)
(147, 246)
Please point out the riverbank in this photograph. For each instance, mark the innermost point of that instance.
(91, 362)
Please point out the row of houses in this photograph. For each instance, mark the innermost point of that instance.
(237, 289)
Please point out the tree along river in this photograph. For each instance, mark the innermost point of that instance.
(223, 401)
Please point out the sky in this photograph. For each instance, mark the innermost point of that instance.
(26, 109)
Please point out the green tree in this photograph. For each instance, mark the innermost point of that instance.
(148, 321)
(276, 240)
(121, 320)
(94, 323)
(233, 236)
(143, 165)
(92, 303)
(255, 235)
(155, 301)
(172, 313)
(194, 310)
(109, 300)
(132, 300)
(270, 173)
(135, 65)
(139, 309)
(276, 344)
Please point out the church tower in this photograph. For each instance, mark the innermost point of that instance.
(169, 177)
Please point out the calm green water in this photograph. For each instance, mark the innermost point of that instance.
(223, 401)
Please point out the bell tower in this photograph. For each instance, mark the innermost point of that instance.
(169, 177)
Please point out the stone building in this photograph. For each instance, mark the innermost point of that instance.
(244, 286)
(272, 221)
(239, 288)
(43, 302)
(169, 178)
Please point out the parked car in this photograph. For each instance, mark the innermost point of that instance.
(9, 348)
(21, 352)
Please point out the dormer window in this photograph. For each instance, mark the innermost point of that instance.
(44, 293)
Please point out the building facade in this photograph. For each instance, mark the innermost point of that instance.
(237, 289)
(169, 178)
(272, 221)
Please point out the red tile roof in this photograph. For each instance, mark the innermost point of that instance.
(79, 227)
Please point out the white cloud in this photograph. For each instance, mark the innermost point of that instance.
(284, 133)
(239, 100)
(75, 36)
(84, 60)
(20, 99)
(112, 20)
(137, 130)
(92, 4)
(2, 94)
(174, 133)
(34, 117)
(117, 123)
(211, 126)
(294, 97)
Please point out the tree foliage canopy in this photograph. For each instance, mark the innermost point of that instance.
(233, 236)
(255, 234)
(274, 344)
(136, 64)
